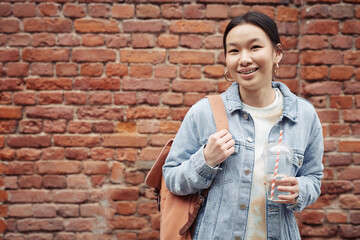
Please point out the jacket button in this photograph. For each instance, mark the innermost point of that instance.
(237, 238)
(243, 206)
(245, 116)
(249, 139)
(247, 171)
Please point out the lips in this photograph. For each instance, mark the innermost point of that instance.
(247, 71)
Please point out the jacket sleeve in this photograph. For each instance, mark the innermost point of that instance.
(310, 174)
(185, 170)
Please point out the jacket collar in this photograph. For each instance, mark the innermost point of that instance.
(291, 111)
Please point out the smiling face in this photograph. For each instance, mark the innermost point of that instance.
(250, 57)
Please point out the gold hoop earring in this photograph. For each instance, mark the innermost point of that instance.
(226, 77)
(276, 69)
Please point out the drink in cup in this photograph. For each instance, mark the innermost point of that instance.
(278, 162)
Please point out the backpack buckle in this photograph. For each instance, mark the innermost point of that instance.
(158, 199)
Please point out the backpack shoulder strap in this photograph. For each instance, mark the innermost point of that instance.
(219, 112)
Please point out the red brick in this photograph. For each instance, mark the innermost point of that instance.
(9, 55)
(100, 98)
(92, 40)
(7, 154)
(96, 26)
(20, 168)
(79, 127)
(191, 98)
(191, 41)
(287, 14)
(216, 11)
(115, 69)
(313, 217)
(127, 98)
(20, 210)
(48, 9)
(323, 88)
(10, 112)
(5, 9)
(50, 112)
(42, 69)
(143, 40)
(194, 11)
(68, 40)
(142, 56)
(313, 42)
(165, 71)
(351, 115)
(141, 71)
(145, 84)
(288, 28)
(153, 26)
(352, 58)
(357, 43)
(172, 98)
(17, 69)
(103, 127)
(58, 167)
(117, 41)
(125, 207)
(151, 98)
(8, 126)
(337, 130)
(237, 10)
(45, 55)
(126, 154)
(76, 141)
(192, 26)
(341, 72)
(321, 57)
(171, 11)
(123, 11)
(341, 102)
(75, 98)
(30, 126)
(54, 181)
(93, 55)
(66, 69)
(167, 41)
(25, 98)
(74, 10)
(44, 210)
(99, 10)
(336, 187)
(147, 11)
(267, 10)
(91, 69)
(97, 180)
(124, 194)
(191, 57)
(29, 196)
(55, 25)
(349, 146)
(314, 73)
(124, 140)
(24, 10)
(336, 217)
(100, 113)
(19, 40)
(194, 86)
(11, 84)
(96, 167)
(148, 126)
(103, 154)
(341, 42)
(213, 42)
(349, 201)
(349, 231)
(117, 172)
(150, 112)
(53, 153)
(9, 26)
(69, 196)
(5, 98)
(328, 115)
(97, 84)
(351, 27)
(319, 231)
(28, 141)
(28, 154)
(46, 98)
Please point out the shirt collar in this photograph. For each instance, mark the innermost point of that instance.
(233, 100)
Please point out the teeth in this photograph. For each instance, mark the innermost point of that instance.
(248, 72)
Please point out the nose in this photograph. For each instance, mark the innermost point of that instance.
(245, 58)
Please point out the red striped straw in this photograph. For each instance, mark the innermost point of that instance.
(276, 167)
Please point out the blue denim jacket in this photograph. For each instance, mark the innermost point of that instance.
(225, 211)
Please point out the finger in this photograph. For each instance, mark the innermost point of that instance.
(290, 189)
(220, 133)
(289, 180)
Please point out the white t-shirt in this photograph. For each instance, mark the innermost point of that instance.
(264, 119)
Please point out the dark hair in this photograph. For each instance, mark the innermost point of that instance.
(258, 19)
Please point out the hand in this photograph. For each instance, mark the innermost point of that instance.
(218, 148)
(290, 185)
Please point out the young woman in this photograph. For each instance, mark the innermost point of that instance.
(230, 162)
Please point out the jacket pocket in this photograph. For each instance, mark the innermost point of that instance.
(298, 159)
(273, 221)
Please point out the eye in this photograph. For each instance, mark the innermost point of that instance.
(233, 51)
(256, 47)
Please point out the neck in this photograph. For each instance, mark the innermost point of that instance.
(259, 98)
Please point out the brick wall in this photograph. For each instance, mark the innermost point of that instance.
(91, 90)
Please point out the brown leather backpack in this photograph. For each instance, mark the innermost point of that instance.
(178, 213)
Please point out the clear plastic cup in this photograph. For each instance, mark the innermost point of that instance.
(285, 155)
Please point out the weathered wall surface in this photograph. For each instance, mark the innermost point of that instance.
(91, 90)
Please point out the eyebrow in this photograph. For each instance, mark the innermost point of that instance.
(251, 41)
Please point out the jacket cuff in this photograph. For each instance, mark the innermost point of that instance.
(202, 168)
